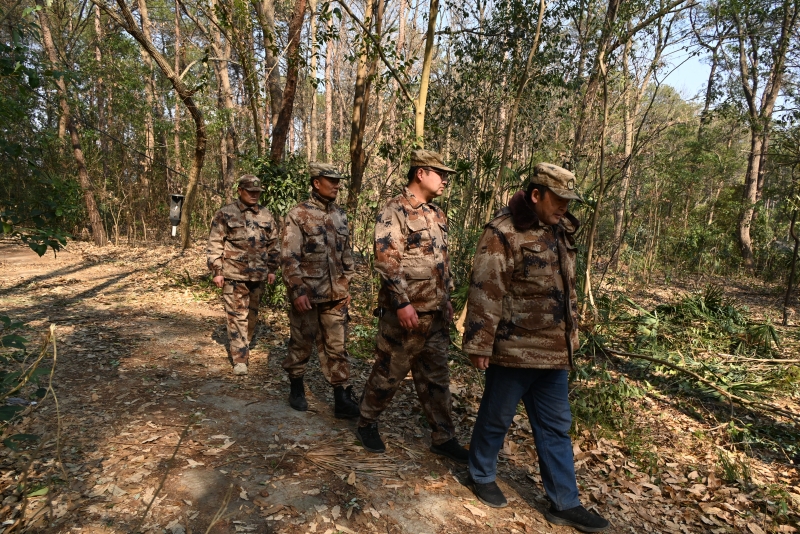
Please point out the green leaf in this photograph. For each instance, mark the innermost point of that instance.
(8, 412)
(14, 442)
(14, 341)
(39, 492)
(41, 392)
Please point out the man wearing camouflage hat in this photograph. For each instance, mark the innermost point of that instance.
(317, 265)
(415, 312)
(521, 327)
(243, 252)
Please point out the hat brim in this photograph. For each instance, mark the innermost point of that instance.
(337, 177)
(254, 189)
(566, 194)
(441, 168)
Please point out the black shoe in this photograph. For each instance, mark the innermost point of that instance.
(370, 438)
(489, 493)
(345, 406)
(452, 450)
(297, 395)
(578, 517)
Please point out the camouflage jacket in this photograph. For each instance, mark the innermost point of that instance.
(522, 305)
(411, 255)
(243, 243)
(316, 253)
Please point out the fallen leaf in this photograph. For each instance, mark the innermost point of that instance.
(336, 511)
(243, 495)
(314, 491)
(755, 529)
(193, 464)
(351, 478)
(477, 512)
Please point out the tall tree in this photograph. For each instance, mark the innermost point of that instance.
(96, 223)
(281, 129)
(126, 21)
(765, 32)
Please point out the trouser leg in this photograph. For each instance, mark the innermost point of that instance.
(304, 328)
(503, 389)
(432, 378)
(256, 292)
(396, 347)
(236, 296)
(333, 356)
(547, 404)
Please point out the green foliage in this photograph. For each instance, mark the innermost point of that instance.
(285, 184)
(603, 401)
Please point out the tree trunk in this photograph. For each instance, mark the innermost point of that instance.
(265, 11)
(312, 76)
(373, 13)
(329, 98)
(150, 98)
(281, 128)
(424, 82)
(95, 222)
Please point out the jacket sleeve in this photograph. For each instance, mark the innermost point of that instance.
(491, 276)
(216, 244)
(274, 247)
(390, 245)
(291, 253)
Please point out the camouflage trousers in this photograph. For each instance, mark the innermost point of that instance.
(423, 351)
(241, 308)
(326, 325)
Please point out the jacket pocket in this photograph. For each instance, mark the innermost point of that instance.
(418, 239)
(532, 314)
(421, 286)
(237, 231)
(314, 269)
(314, 245)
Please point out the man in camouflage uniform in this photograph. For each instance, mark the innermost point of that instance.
(414, 307)
(243, 252)
(317, 266)
(521, 327)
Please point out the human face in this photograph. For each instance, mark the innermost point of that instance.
(549, 207)
(249, 198)
(432, 182)
(327, 188)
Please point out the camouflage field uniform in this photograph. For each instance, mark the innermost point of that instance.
(242, 247)
(317, 261)
(412, 259)
(519, 313)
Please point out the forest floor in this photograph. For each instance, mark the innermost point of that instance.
(152, 433)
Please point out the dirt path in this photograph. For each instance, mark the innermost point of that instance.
(148, 407)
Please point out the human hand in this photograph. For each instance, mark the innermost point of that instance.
(302, 304)
(219, 281)
(270, 278)
(448, 312)
(408, 317)
(481, 362)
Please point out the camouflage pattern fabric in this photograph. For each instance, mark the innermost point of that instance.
(423, 351)
(411, 255)
(316, 253)
(241, 308)
(522, 305)
(243, 243)
(329, 321)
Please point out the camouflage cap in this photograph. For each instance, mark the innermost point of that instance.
(317, 169)
(559, 180)
(250, 182)
(426, 158)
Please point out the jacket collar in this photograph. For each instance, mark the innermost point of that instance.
(317, 200)
(524, 216)
(412, 198)
(244, 207)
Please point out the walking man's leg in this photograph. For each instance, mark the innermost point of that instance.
(236, 296)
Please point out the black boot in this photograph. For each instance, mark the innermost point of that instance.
(370, 438)
(345, 406)
(297, 395)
